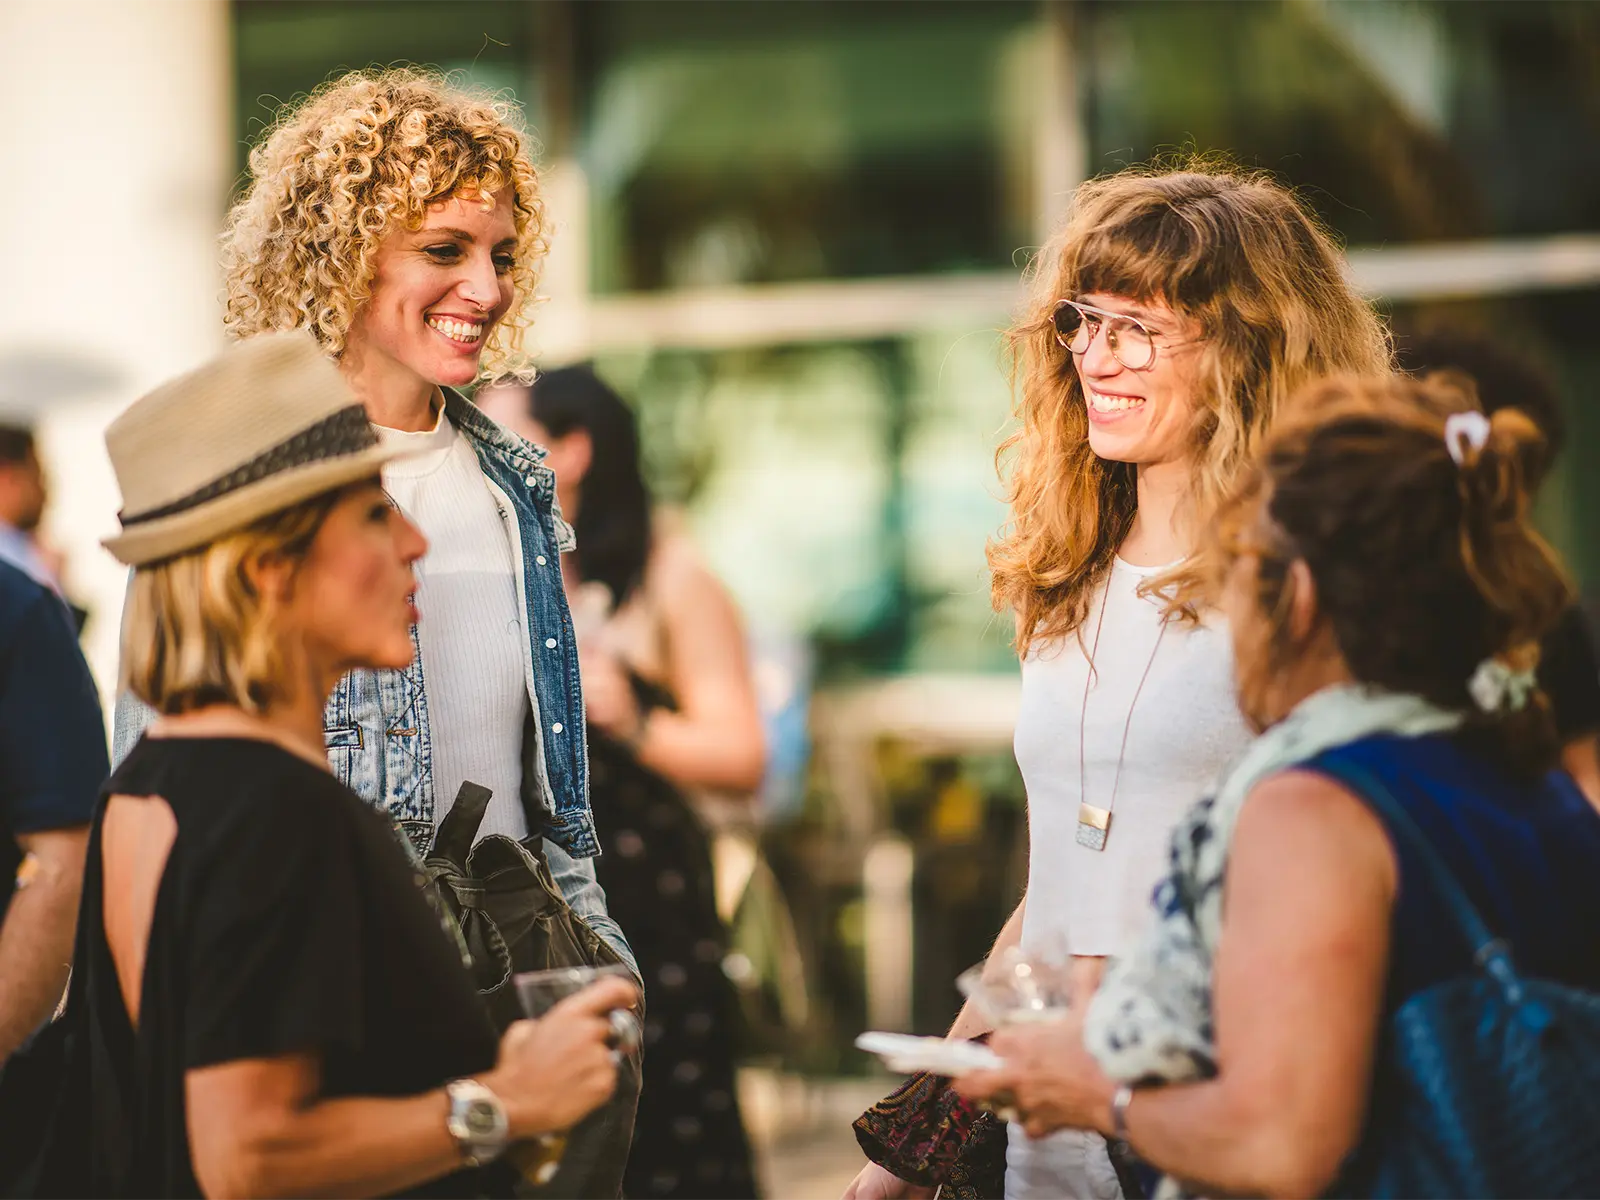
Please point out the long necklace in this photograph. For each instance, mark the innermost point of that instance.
(1094, 824)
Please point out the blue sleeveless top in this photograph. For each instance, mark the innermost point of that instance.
(1527, 854)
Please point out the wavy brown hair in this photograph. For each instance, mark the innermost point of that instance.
(1238, 254)
(362, 155)
(1422, 568)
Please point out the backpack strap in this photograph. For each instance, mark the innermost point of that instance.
(459, 829)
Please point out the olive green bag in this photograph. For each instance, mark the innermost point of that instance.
(513, 918)
(510, 911)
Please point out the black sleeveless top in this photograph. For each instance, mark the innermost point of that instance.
(287, 920)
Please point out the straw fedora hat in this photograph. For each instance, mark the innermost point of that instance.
(266, 424)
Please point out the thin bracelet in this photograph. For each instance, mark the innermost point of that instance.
(1120, 1099)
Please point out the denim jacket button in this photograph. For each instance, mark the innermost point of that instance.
(532, 481)
(539, 558)
(556, 728)
(549, 643)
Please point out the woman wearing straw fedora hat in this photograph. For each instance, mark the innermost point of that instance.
(270, 1006)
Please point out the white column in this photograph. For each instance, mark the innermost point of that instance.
(1063, 144)
(561, 330)
(118, 139)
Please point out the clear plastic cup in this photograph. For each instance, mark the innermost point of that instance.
(540, 991)
(1017, 987)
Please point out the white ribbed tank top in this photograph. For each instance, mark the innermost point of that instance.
(1185, 730)
(474, 646)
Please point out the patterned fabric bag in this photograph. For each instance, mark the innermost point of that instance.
(926, 1134)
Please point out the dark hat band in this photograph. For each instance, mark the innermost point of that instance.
(337, 435)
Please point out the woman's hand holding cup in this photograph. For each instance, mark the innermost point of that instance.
(557, 1069)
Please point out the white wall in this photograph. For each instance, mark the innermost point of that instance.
(116, 142)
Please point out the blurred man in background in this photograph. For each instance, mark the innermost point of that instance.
(52, 763)
(1569, 669)
(22, 500)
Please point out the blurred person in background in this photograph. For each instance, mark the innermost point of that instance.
(52, 763)
(272, 1006)
(1569, 669)
(1386, 593)
(1168, 320)
(672, 711)
(399, 220)
(23, 495)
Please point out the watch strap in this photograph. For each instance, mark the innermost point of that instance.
(469, 1102)
(1120, 1099)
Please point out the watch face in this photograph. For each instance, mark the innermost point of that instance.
(481, 1119)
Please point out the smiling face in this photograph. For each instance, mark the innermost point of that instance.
(437, 291)
(1142, 417)
(351, 596)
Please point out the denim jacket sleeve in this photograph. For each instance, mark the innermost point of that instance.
(130, 716)
(585, 896)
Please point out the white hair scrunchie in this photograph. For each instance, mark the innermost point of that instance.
(1497, 686)
(1471, 427)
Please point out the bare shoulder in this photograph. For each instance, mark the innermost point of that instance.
(1300, 814)
(678, 572)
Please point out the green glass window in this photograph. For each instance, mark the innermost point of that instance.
(284, 48)
(842, 490)
(1402, 120)
(749, 143)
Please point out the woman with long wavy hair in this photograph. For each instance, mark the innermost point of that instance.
(1167, 321)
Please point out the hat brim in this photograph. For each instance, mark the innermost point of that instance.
(150, 542)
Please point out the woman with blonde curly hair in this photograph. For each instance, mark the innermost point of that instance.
(397, 217)
(1167, 321)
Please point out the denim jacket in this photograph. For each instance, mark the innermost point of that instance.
(376, 722)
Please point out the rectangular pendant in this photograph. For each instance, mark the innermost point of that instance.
(1094, 824)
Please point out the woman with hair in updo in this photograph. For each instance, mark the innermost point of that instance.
(398, 219)
(1167, 322)
(1386, 593)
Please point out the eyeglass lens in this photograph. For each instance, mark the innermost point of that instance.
(1128, 340)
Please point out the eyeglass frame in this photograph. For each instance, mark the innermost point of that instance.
(1099, 317)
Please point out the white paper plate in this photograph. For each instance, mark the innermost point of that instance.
(904, 1052)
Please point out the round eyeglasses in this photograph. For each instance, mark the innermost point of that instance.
(1130, 341)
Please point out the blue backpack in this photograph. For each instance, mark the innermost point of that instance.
(1499, 1075)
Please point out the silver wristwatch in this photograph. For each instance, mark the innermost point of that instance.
(477, 1121)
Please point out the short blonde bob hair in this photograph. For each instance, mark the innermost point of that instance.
(1238, 254)
(195, 631)
(360, 156)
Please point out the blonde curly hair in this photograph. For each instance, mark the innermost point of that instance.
(1238, 254)
(339, 169)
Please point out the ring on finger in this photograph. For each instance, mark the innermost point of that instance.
(625, 1034)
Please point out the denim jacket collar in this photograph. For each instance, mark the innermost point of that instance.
(521, 455)
(379, 732)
